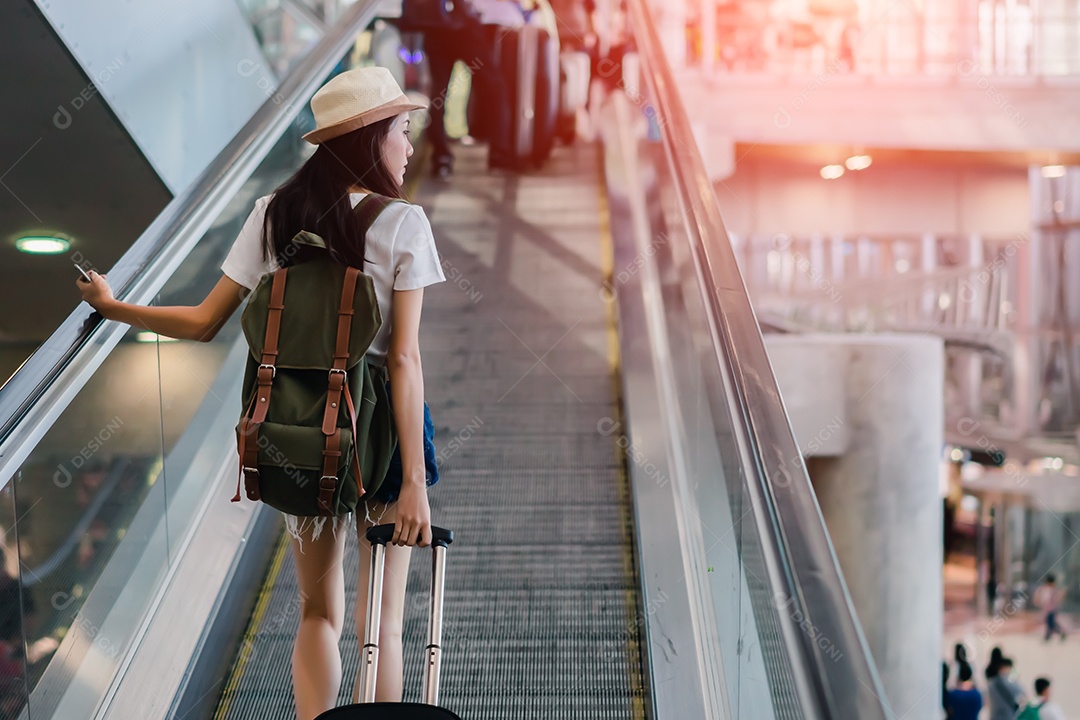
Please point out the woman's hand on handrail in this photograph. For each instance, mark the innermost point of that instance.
(199, 322)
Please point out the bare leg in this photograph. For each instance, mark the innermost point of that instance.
(390, 673)
(316, 663)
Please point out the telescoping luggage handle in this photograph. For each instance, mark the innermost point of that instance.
(378, 536)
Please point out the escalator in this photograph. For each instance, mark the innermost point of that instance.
(540, 597)
(611, 443)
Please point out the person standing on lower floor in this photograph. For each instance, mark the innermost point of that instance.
(1048, 598)
(1048, 709)
(1005, 694)
(964, 701)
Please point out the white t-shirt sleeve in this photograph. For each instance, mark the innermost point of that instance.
(244, 264)
(416, 261)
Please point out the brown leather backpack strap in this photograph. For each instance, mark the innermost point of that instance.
(247, 443)
(356, 447)
(337, 377)
(328, 481)
(268, 361)
(338, 381)
(249, 458)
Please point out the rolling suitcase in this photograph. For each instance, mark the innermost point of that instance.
(367, 709)
(526, 59)
(547, 97)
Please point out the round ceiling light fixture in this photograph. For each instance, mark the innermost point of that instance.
(831, 172)
(42, 245)
(858, 162)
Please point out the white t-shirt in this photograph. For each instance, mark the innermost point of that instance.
(399, 254)
(1051, 711)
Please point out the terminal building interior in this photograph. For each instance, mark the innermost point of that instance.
(755, 374)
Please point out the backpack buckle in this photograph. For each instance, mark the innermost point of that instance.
(273, 370)
(338, 370)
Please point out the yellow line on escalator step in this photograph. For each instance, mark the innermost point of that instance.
(607, 268)
(253, 627)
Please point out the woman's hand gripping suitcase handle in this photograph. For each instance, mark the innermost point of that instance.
(383, 534)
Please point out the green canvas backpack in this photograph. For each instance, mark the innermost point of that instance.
(317, 431)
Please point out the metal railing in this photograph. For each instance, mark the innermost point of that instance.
(999, 44)
(718, 399)
(1001, 311)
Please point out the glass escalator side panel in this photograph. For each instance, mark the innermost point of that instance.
(89, 502)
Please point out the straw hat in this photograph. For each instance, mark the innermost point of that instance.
(354, 99)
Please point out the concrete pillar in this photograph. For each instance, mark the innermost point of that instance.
(880, 496)
(881, 504)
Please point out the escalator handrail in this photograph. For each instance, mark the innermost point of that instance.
(799, 555)
(48, 380)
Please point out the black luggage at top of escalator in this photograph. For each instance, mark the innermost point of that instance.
(428, 15)
(527, 59)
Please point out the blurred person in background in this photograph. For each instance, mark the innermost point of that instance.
(964, 702)
(945, 691)
(1046, 709)
(1006, 695)
(507, 13)
(577, 29)
(460, 36)
(994, 664)
(1048, 598)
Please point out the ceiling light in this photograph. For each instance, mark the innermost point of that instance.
(831, 172)
(1053, 171)
(145, 336)
(42, 245)
(858, 162)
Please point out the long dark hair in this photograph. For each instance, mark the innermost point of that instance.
(316, 197)
(994, 666)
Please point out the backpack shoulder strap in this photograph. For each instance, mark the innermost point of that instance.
(370, 207)
(338, 386)
(248, 440)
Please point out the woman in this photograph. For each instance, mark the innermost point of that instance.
(1005, 694)
(362, 120)
(992, 667)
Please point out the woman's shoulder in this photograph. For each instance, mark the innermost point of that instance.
(401, 215)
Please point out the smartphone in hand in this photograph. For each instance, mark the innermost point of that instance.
(82, 272)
